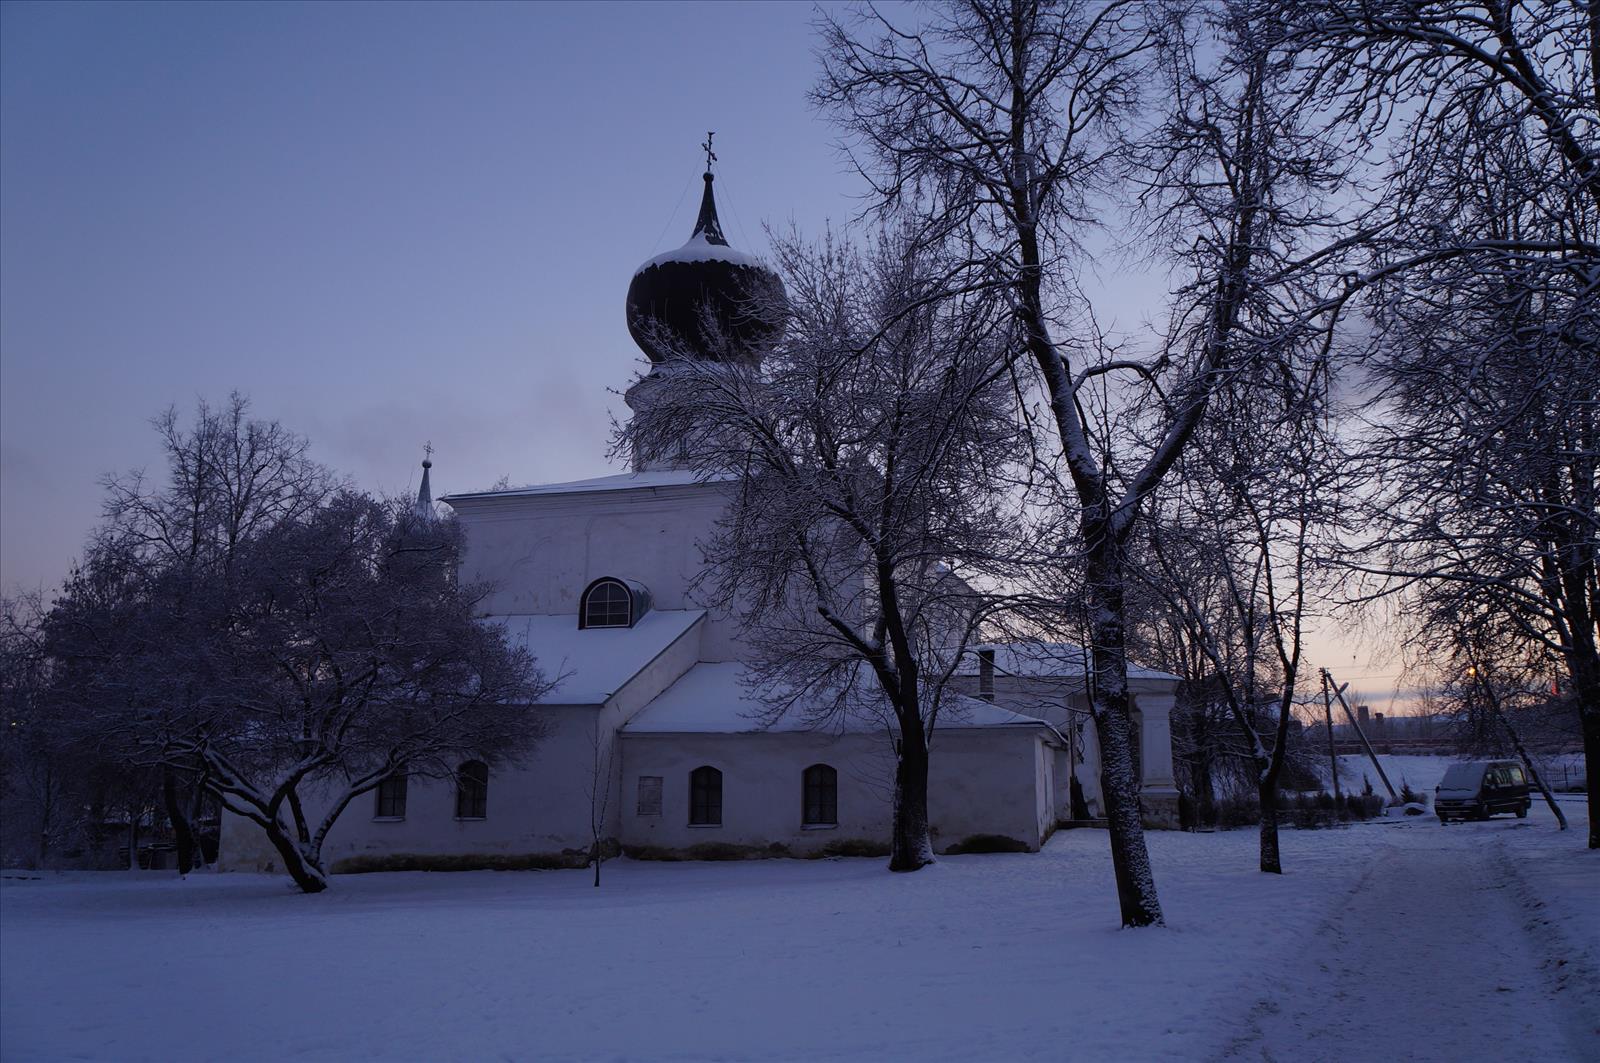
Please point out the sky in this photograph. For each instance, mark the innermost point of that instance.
(385, 224)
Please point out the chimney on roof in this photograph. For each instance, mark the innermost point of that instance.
(1361, 716)
(986, 673)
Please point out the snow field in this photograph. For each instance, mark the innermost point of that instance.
(1011, 956)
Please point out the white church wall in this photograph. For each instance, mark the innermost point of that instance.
(761, 788)
(540, 551)
(989, 781)
(1063, 703)
(979, 783)
(536, 806)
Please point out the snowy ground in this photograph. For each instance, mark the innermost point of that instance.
(1399, 940)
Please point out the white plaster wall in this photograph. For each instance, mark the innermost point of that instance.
(538, 805)
(1050, 699)
(989, 781)
(980, 783)
(540, 551)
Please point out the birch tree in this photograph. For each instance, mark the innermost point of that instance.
(1014, 121)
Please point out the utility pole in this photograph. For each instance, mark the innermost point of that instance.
(1338, 692)
(1333, 759)
(1482, 680)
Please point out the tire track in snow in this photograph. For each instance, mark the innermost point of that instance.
(1428, 958)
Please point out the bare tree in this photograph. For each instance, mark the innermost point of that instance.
(355, 657)
(43, 768)
(1003, 120)
(1482, 286)
(285, 646)
(228, 478)
(1233, 551)
(868, 458)
(604, 768)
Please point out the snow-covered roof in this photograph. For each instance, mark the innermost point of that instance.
(1044, 660)
(594, 663)
(699, 249)
(715, 698)
(627, 481)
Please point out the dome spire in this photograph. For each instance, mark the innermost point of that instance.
(704, 300)
(707, 224)
(423, 507)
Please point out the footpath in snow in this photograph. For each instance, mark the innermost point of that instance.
(1435, 955)
(1393, 941)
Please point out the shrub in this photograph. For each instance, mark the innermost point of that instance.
(1240, 810)
(988, 843)
(1188, 813)
(361, 865)
(1408, 796)
(1362, 806)
(707, 851)
(856, 847)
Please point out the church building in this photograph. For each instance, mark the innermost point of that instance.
(654, 742)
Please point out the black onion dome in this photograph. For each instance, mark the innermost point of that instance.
(670, 294)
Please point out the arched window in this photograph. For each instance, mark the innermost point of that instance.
(392, 798)
(819, 797)
(472, 790)
(705, 797)
(606, 603)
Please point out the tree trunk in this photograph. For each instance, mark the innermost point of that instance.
(1267, 794)
(133, 840)
(197, 810)
(46, 815)
(183, 834)
(1130, 859)
(302, 866)
(911, 848)
(1200, 767)
(1591, 764)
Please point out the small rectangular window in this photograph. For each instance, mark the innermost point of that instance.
(820, 797)
(705, 797)
(472, 790)
(649, 795)
(392, 798)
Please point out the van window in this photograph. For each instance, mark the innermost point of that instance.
(1516, 776)
(1461, 777)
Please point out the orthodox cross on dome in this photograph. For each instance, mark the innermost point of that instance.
(707, 225)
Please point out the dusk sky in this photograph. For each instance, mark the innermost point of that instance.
(385, 224)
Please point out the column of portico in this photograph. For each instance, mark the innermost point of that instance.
(1158, 790)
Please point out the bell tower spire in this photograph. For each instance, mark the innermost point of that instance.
(423, 506)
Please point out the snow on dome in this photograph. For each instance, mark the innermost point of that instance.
(671, 296)
(699, 249)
